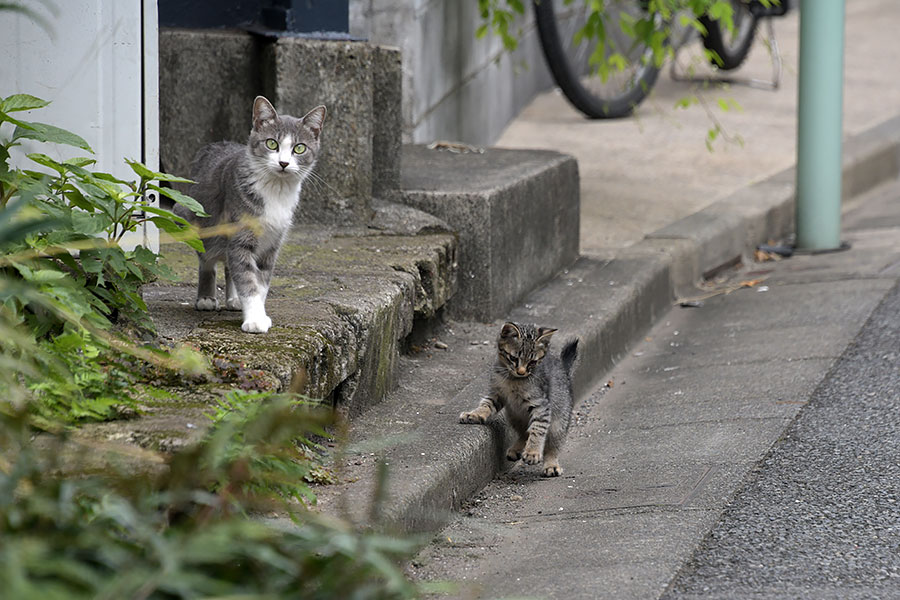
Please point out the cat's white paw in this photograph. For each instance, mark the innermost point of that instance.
(255, 318)
(258, 325)
(233, 304)
(206, 303)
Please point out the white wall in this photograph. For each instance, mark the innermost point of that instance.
(98, 68)
(454, 86)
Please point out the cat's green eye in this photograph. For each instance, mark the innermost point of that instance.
(299, 148)
(271, 144)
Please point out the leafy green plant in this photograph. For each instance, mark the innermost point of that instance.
(127, 535)
(65, 280)
(284, 463)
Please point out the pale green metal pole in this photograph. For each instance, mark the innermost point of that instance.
(819, 124)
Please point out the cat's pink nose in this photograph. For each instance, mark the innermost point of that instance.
(520, 370)
(283, 164)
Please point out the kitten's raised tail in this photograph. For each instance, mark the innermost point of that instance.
(569, 356)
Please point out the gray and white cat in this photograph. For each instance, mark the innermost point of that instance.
(257, 186)
(535, 388)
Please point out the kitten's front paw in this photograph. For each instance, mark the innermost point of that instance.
(206, 303)
(552, 471)
(531, 457)
(233, 304)
(259, 324)
(470, 417)
(513, 454)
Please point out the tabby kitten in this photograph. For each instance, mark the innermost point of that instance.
(535, 388)
(257, 186)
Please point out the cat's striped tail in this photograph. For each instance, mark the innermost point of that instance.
(569, 356)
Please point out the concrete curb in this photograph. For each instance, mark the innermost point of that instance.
(729, 229)
(608, 304)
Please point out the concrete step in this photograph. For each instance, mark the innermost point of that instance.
(516, 212)
(343, 302)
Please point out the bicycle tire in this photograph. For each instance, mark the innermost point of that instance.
(567, 73)
(732, 47)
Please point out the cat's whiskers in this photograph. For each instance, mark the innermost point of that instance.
(318, 182)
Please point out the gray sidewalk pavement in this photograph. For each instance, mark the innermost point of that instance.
(643, 173)
(658, 451)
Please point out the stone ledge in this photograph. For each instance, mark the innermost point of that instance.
(516, 211)
(341, 303)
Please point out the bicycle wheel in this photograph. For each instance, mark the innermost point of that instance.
(731, 46)
(623, 90)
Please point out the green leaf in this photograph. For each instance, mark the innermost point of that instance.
(90, 223)
(69, 341)
(12, 231)
(146, 173)
(5, 118)
(99, 175)
(79, 161)
(76, 198)
(173, 178)
(170, 227)
(182, 199)
(162, 212)
(22, 102)
(47, 275)
(50, 133)
(140, 169)
(43, 159)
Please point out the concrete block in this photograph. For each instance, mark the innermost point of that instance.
(302, 73)
(387, 130)
(871, 158)
(208, 80)
(716, 232)
(207, 83)
(516, 212)
(766, 207)
(679, 255)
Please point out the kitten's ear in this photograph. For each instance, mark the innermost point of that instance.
(262, 111)
(509, 330)
(314, 120)
(544, 334)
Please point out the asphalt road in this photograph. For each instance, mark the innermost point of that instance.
(820, 516)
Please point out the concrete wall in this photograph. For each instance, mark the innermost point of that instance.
(455, 87)
(208, 79)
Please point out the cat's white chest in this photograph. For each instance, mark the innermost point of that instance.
(280, 198)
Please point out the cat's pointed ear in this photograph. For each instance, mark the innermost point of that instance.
(262, 111)
(314, 119)
(509, 330)
(544, 334)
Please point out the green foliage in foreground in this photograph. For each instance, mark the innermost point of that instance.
(166, 536)
(65, 280)
(284, 459)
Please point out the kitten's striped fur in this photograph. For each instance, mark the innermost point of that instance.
(535, 388)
